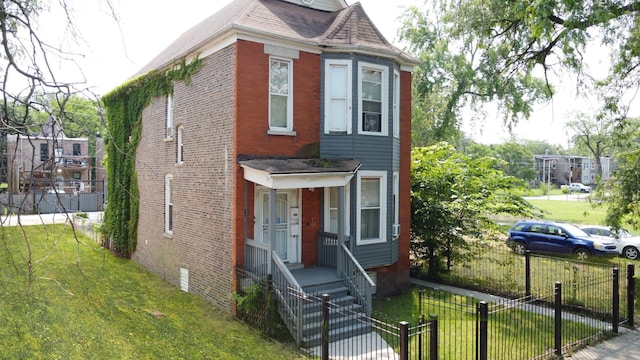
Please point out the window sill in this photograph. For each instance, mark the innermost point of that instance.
(180, 164)
(281, 133)
(370, 242)
(168, 236)
(372, 133)
(168, 139)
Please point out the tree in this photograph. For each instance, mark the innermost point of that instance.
(537, 147)
(624, 199)
(594, 135)
(458, 71)
(601, 136)
(30, 79)
(453, 198)
(518, 161)
(499, 50)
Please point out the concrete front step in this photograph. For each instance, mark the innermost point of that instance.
(337, 319)
(347, 309)
(351, 329)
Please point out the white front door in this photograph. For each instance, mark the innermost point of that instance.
(287, 242)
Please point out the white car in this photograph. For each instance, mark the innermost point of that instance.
(627, 244)
(579, 187)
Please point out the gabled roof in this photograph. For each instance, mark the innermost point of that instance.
(349, 29)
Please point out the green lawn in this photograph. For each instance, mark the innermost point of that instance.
(514, 333)
(577, 212)
(85, 303)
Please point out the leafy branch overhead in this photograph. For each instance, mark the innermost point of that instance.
(509, 52)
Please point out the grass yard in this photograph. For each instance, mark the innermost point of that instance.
(514, 333)
(576, 212)
(103, 307)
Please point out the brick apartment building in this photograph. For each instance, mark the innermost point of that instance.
(295, 130)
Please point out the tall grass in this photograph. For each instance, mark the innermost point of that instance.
(84, 303)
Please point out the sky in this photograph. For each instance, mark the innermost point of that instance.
(115, 51)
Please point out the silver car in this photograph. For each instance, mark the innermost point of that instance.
(627, 244)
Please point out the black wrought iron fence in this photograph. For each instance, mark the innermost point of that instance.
(551, 321)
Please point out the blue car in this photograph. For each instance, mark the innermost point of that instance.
(557, 238)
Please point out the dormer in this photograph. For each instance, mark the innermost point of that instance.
(324, 5)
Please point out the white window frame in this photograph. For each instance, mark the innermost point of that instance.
(168, 205)
(329, 65)
(382, 175)
(169, 124)
(180, 144)
(384, 98)
(396, 104)
(328, 208)
(396, 198)
(289, 126)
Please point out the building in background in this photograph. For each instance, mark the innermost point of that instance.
(559, 170)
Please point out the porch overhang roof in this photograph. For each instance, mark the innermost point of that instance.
(299, 173)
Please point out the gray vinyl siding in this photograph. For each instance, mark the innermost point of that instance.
(376, 153)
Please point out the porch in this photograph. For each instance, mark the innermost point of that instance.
(296, 289)
(273, 250)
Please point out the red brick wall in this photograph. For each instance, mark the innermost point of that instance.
(203, 185)
(395, 278)
(253, 103)
(252, 125)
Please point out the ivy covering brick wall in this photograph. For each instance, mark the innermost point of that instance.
(124, 107)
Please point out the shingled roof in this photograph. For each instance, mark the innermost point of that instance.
(346, 30)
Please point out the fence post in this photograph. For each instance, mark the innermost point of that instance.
(421, 334)
(267, 293)
(527, 273)
(631, 293)
(433, 337)
(615, 299)
(325, 326)
(558, 319)
(404, 340)
(482, 309)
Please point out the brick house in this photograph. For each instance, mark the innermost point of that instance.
(48, 161)
(288, 150)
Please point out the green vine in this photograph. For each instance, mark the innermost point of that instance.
(124, 107)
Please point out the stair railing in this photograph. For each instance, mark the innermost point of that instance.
(357, 280)
(290, 296)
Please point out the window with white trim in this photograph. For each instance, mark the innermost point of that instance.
(338, 90)
(396, 104)
(331, 210)
(396, 202)
(169, 127)
(180, 155)
(373, 92)
(371, 215)
(168, 204)
(280, 95)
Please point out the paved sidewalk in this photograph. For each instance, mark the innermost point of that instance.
(15, 220)
(622, 347)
